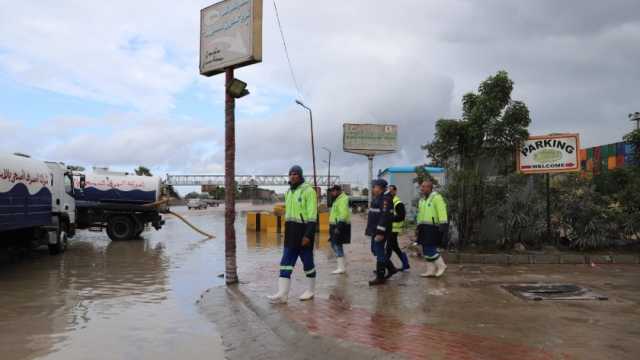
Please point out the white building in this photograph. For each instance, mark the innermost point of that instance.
(403, 177)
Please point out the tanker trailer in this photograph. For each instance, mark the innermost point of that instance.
(36, 203)
(122, 203)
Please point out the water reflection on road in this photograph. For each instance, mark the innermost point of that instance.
(120, 300)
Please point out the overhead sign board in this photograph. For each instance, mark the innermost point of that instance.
(230, 35)
(550, 154)
(370, 139)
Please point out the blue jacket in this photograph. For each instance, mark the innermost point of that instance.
(380, 217)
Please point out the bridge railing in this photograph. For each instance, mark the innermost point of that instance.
(258, 180)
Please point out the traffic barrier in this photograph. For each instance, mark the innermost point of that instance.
(278, 209)
(271, 223)
(324, 221)
(262, 221)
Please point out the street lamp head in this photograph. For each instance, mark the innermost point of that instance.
(303, 105)
(237, 88)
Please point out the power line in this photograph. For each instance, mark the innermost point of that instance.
(286, 51)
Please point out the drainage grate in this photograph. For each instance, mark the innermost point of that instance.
(552, 292)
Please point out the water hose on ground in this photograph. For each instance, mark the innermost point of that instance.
(159, 203)
(190, 224)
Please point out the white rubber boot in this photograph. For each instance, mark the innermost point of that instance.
(282, 295)
(431, 270)
(308, 295)
(440, 267)
(341, 268)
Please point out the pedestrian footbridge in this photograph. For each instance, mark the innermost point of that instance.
(243, 180)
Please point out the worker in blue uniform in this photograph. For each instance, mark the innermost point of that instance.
(379, 228)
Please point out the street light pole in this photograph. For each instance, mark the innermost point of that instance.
(329, 172)
(328, 176)
(313, 148)
(370, 180)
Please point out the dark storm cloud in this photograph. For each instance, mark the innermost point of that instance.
(575, 64)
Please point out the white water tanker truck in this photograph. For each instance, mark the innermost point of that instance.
(37, 203)
(122, 203)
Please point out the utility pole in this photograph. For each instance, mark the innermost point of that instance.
(231, 272)
(217, 56)
(370, 157)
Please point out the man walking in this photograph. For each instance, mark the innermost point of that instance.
(399, 214)
(339, 225)
(299, 233)
(379, 221)
(432, 224)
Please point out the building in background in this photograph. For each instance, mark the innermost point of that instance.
(403, 177)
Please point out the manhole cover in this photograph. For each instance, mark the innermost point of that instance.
(552, 292)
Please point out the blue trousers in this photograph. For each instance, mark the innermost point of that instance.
(337, 248)
(290, 256)
(430, 252)
(378, 250)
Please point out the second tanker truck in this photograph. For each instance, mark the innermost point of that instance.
(122, 203)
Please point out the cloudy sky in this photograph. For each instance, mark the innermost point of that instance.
(117, 83)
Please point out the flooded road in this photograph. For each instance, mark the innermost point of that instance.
(119, 300)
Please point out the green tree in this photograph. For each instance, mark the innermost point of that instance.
(143, 171)
(218, 193)
(634, 139)
(491, 127)
(422, 174)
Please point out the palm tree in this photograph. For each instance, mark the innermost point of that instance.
(143, 171)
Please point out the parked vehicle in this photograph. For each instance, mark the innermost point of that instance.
(122, 203)
(358, 203)
(196, 204)
(37, 205)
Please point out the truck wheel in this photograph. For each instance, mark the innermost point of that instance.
(61, 245)
(139, 229)
(120, 228)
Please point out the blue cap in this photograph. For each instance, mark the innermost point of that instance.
(379, 182)
(295, 169)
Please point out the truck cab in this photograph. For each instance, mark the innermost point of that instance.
(36, 203)
(63, 203)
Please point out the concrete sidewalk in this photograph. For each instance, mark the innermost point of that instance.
(464, 315)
